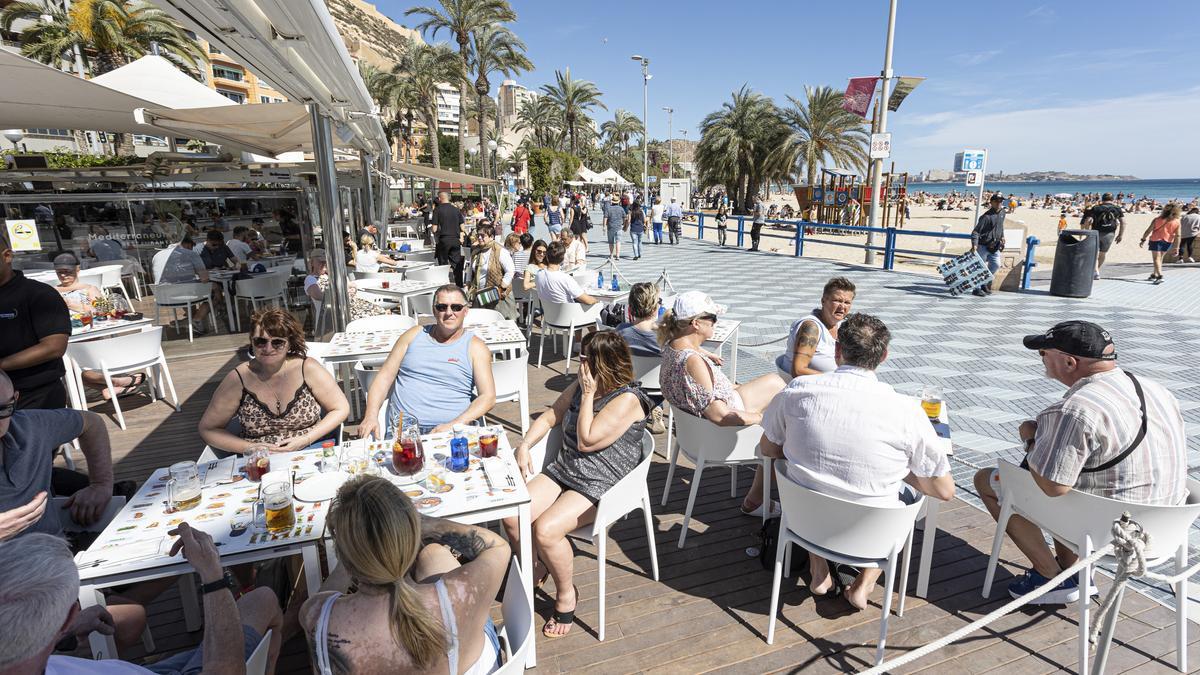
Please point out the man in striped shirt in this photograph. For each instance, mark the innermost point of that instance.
(1095, 439)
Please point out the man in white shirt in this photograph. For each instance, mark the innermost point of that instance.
(486, 274)
(850, 436)
(656, 219)
(240, 243)
(576, 254)
(555, 285)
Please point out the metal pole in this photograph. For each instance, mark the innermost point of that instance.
(670, 142)
(329, 218)
(646, 130)
(982, 180)
(881, 127)
(364, 162)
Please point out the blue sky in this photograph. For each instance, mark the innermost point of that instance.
(1080, 86)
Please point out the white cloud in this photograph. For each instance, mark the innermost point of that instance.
(975, 58)
(1149, 135)
(1042, 13)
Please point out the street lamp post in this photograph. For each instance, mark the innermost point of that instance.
(472, 152)
(880, 127)
(670, 142)
(645, 125)
(14, 136)
(492, 145)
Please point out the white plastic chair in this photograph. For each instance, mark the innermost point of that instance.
(421, 305)
(512, 384)
(266, 289)
(126, 354)
(518, 623)
(159, 262)
(257, 663)
(646, 370)
(419, 256)
(317, 351)
(846, 533)
(110, 278)
(394, 277)
(565, 318)
(381, 322)
(477, 316)
(438, 273)
(1084, 522)
(174, 296)
(707, 444)
(92, 277)
(523, 299)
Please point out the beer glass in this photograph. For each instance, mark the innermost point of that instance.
(273, 511)
(258, 462)
(931, 401)
(183, 486)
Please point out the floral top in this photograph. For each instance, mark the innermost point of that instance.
(684, 392)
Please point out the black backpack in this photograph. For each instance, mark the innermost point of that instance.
(768, 538)
(1104, 216)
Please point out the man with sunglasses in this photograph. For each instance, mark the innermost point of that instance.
(1113, 434)
(34, 327)
(441, 375)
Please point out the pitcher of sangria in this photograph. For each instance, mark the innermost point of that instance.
(408, 457)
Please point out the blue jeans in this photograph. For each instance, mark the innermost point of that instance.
(657, 227)
(635, 238)
(192, 662)
(991, 259)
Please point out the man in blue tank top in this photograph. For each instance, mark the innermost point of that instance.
(432, 373)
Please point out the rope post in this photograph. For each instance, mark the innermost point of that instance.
(1031, 243)
(741, 230)
(700, 225)
(800, 226)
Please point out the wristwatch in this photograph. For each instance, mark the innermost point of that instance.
(226, 581)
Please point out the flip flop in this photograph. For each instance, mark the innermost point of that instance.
(121, 392)
(561, 619)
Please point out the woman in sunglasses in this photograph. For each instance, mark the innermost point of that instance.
(282, 398)
(537, 263)
(439, 375)
(601, 416)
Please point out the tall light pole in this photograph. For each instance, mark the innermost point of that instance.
(645, 125)
(670, 142)
(492, 145)
(880, 127)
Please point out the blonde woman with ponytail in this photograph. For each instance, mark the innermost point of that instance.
(400, 601)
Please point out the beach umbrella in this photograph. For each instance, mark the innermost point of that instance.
(1064, 195)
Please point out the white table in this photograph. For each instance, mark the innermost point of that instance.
(403, 266)
(133, 547)
(723, 332)
(400, 290)
(607, 294)
(104, 329)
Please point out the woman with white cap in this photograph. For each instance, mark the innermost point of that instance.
(692, 385)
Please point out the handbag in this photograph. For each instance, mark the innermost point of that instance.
(487, 297)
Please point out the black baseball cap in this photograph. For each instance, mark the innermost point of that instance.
(997, 197)
(1077, 338)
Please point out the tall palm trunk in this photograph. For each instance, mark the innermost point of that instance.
(434, 150)
(482, 87)
(463, 44)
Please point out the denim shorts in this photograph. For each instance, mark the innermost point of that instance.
(191, 662)
(1160, 246)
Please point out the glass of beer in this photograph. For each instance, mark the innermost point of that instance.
(931, 401)
(183, 486)
(489, 441)
(277, 515)
(408, 457)
(258, 462)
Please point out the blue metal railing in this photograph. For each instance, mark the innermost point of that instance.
(890, 247)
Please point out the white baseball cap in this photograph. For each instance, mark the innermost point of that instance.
(695, 303)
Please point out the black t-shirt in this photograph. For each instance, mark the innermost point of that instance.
(29, 311)
(218, 258)
(449, 220)
(1106, 216)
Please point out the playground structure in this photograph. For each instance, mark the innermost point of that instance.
(840, 198)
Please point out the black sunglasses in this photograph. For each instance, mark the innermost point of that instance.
(276, 343)
(455, 307)
(7, 409)
(708, 317)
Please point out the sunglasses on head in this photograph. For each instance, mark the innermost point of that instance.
(453, 307)
(276, 343)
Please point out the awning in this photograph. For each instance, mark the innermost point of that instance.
(441, 175)
(155, 79)
(264, 128)
(36, 96)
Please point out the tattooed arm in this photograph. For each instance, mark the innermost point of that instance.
(807, 337)
(474, 584)
(467, 542)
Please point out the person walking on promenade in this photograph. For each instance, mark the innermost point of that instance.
(987, 239)
(1108, 220)
(760, 219)
(722, 216)
(615, 220)
(446, 226)
(674, 215)
(637, 227)
(1189, 229)
(656, 219)
(1162, 232)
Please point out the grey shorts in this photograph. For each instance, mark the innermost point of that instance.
(1106, 239)
(614, 235)
(192, 663)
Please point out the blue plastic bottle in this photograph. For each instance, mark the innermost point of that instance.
(600, 279)
(615, 286)
(661, 310)
(460, 457)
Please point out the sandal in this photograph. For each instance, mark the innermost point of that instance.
(128, 389)
(561, 619)
(757, 512)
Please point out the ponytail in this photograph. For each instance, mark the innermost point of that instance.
(670, 327)
(413, 627)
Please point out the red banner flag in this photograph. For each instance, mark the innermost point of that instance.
(858, 95)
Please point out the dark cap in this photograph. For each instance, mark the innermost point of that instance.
(997, 198)
(1077, 338)
(66, 261)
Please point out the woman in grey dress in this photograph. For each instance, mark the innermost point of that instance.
(602, 416)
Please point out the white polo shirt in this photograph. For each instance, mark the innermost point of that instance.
(557, 286)
(848, 435)
(241, 250)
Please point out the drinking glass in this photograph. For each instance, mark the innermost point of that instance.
(931, 401)
(354, 459)
(489, 441)
(258, 462)
(183, 486)
(274, 511)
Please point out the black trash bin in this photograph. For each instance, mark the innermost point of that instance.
(1074, 263)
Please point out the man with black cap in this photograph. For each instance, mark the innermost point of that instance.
(1112, 434)
(987, 239)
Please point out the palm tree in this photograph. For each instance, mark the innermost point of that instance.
(462, 18)
(108, 33)
(822, 133)
(574, 99)
(541, 118)
(382, 85)
(736, 143)
(622, 128)
(422, 68)
(497, 50)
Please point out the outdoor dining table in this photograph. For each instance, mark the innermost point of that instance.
(400, 290)
(134, 546)
(725, 331)
(405, 265)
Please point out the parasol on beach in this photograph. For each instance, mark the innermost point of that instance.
(1064, 195)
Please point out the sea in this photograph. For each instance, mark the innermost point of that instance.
(1161, 189)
